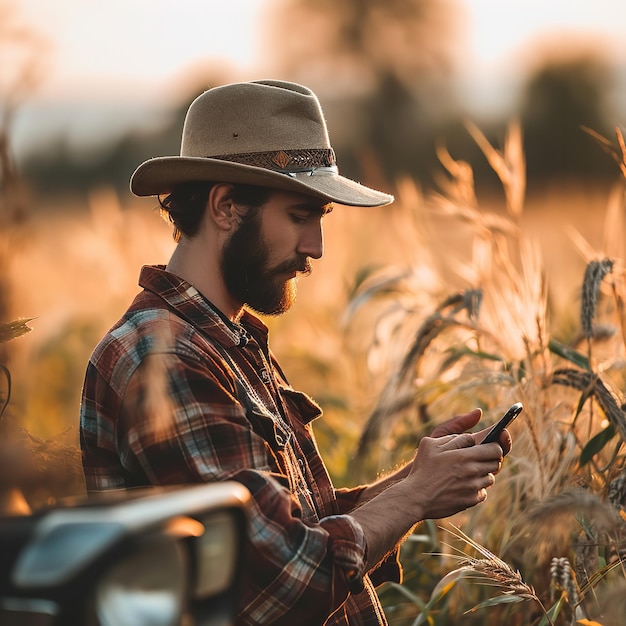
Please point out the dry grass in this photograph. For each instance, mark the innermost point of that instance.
(418, 311)
(535, 333)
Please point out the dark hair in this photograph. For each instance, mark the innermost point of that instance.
(184, 205)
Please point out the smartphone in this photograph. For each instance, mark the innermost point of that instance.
(507, 418)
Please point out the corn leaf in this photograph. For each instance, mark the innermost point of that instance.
(503, 599)
(569, 354)
(553, 611)
(443, 587)
(596, 444)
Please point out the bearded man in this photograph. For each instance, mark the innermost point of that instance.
(185, 389)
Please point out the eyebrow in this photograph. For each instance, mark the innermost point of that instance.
(324, 209)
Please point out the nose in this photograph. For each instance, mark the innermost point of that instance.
(311, 243)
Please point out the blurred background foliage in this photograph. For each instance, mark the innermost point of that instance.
(472, 190)
(387, 75)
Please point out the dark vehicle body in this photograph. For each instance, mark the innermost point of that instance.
(158, 556)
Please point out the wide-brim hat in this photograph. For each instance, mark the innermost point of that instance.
(268, 133)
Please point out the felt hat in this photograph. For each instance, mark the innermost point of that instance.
(268, 133)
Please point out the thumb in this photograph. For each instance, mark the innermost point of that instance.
(458, 424)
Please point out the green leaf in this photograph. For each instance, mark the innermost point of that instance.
(408, 594)
(553, 611)
(596, 444)
(445, 585)
(503, 599)
(465, 351)
(365, 272)
(569, 354)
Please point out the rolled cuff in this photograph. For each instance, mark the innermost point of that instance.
(348, 548)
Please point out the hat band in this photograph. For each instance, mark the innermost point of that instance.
(286, 161)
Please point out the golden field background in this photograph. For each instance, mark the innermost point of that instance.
(73, 267)
(450, 298)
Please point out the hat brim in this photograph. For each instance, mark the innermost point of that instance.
(160, 175)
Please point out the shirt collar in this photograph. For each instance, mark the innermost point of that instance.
(191, 305)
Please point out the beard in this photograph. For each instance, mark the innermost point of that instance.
(248, 277)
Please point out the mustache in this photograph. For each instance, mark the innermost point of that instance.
(302, 265)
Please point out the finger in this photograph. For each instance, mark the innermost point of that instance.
(486, 451)
(458, 424)
(506, 443)
(457, 442)
(490, 453)
(482, 468)
(487, 482)
(480, 474)
(479, 435)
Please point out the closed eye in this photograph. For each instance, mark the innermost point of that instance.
(298, 218)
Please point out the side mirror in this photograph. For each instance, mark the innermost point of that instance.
(157, 556)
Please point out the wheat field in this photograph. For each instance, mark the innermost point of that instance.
(429, 307)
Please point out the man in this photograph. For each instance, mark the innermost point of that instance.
(184, 388)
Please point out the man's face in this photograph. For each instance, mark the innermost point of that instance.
(261, 259)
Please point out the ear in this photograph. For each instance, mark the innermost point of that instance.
(220, 207)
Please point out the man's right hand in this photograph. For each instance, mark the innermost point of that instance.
(450, 474)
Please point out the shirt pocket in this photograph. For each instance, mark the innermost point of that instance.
(299, 405)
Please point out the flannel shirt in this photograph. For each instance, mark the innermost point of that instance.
(176, 393)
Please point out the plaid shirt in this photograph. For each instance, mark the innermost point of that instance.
(174, 394)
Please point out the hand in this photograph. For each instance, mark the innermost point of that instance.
(465, 421)
(505, 440)
(451, 473)
(457, 424)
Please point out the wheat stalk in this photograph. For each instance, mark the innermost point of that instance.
(594, 274)
(591, 384)
(395, 396)
(618, 154)
(14, 329)
(491, 570)
(509, 165)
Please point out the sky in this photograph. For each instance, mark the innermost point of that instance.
(115, 52)
(504, 35)
(104, 49)
(499, 27)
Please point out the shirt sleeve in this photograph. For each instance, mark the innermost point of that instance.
(389, 569)
(189, 427)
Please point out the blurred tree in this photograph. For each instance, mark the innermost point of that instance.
(22, 58)
(56, 167)
(559, 99)
(21, 53)
(386, 67)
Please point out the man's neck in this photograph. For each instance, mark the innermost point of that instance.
(191, 262)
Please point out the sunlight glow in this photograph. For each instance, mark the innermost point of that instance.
(140, 43)
(497, 28)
